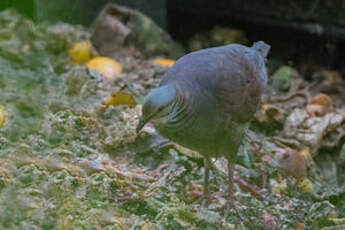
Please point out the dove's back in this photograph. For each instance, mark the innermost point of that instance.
(221, 88)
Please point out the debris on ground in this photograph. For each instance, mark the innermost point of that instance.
(71, 158)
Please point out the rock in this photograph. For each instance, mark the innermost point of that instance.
(117, 26)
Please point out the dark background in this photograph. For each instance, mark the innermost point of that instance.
(304, 33)
(81, 11)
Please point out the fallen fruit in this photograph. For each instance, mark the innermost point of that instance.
(81, 52)
(164, 62)
(106, 66)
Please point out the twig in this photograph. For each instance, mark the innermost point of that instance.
(252, 189)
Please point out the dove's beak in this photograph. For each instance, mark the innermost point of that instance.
(142, 123)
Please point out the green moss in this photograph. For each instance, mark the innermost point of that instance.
(283, 78)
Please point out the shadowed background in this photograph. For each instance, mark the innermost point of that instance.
(304, 33)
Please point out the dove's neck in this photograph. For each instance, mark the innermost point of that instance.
(257, 63)
(262, 48)
(182, 113)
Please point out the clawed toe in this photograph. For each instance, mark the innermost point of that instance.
(228, 206)
(204, 201)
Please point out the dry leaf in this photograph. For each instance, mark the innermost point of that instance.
(121, 98)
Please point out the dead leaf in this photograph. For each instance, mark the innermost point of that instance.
(121, 98)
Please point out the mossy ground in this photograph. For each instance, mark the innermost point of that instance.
(67, 162)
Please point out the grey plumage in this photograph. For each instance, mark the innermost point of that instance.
(207, 98)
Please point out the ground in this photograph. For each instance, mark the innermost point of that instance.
(68, 161)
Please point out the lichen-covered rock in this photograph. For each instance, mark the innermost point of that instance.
(117, 26)
(311, 131)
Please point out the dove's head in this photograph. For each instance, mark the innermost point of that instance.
(157, 106)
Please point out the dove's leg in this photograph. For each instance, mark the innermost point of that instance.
(206, 195)
(231, 167)
(230, 201)
(205, 198)
(206, 176)
(230, 198)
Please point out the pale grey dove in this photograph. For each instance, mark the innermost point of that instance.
(206, 100)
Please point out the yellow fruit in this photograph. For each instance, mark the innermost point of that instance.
(106, 66)
(164, 62)
(121, 98)
(2, 115)
(81, 52)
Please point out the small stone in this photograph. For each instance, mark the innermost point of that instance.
(315, 110)
(322, 99)
(320, 105)
(292, 163)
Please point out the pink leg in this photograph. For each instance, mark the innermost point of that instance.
(230, 200)
(206, 176)
(231, 167)
(206, 194)
(205, 198)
